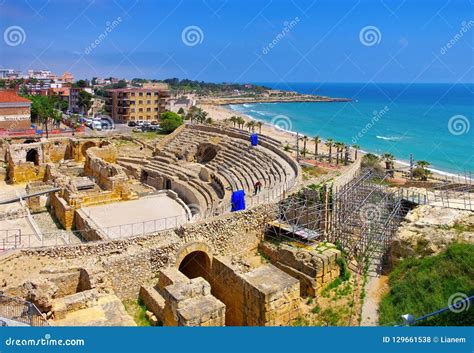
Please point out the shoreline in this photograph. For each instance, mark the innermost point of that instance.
(280, 99)
(221, 112)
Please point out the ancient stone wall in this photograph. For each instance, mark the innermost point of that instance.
(313, 267)
(130, 263)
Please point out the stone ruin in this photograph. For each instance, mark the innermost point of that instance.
(224, 294)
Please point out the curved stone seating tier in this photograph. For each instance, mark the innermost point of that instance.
(235, 164)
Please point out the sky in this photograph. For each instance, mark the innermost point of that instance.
(243, 40)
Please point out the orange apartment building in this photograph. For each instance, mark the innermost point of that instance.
(126, 104)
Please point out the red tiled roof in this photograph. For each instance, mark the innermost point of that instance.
(8, 96)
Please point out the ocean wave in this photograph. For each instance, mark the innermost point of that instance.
(249, 105)
(389, 138)
(236, 108)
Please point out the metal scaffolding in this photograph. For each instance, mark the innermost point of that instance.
(361, 217)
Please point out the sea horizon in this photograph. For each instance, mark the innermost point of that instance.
(428, 120)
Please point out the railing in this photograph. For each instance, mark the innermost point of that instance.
(21, 311)
(463, 200)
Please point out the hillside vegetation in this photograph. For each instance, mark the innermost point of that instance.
(422, 286)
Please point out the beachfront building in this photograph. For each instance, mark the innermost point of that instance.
(144, 103)
(15, 111)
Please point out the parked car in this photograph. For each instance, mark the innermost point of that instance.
(132, 123)
(96, 125)
(155, 122)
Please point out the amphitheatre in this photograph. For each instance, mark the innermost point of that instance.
(95, 230)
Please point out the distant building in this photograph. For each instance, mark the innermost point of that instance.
(184, 102)
(9, 74)
(67, 77)
(62, 92)
(15, 111)
(127, 104)
(41, 74)
(74, 99)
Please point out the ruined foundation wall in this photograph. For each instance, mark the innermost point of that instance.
(132, 262)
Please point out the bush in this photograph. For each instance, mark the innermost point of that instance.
(422, 286)
(170, 121)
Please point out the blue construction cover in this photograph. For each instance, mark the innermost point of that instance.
(254, 139)
(238, 200)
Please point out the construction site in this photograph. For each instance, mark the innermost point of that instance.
(207, 226)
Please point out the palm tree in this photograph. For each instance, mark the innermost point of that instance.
(339, 147)
(304, 152)
(305, 140)
(233, 119)
(329, 144)
(202, 116)
(422, 164)
(240, 122)
(356, 148)
(259, 125)
(249, 124)
(316, 141)
(57, 116)
(422, 171)
(388, 158)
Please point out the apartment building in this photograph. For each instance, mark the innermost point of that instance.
(125, 104)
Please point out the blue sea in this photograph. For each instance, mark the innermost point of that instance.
(434, 122)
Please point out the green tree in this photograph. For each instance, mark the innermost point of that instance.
(259, 124)
(316, 140)
(389, 160)
(330, 144)
(170, 121)
(356, 149)
(85, 101)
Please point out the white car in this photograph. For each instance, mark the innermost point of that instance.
(97, 125)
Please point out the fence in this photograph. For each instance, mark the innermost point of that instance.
(20, 311)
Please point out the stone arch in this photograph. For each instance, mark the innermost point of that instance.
(86, 146)
(32, 155)
(195, 260)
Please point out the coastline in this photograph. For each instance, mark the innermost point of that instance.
(220, 112)
(300, 98)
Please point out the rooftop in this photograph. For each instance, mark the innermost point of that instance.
(9, 96)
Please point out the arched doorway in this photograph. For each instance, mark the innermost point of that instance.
(32, 156)
(196, 264)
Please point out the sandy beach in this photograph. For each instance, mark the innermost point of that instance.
(221, 113)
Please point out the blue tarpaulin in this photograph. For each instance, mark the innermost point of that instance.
(254, 139)
(238, 200)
